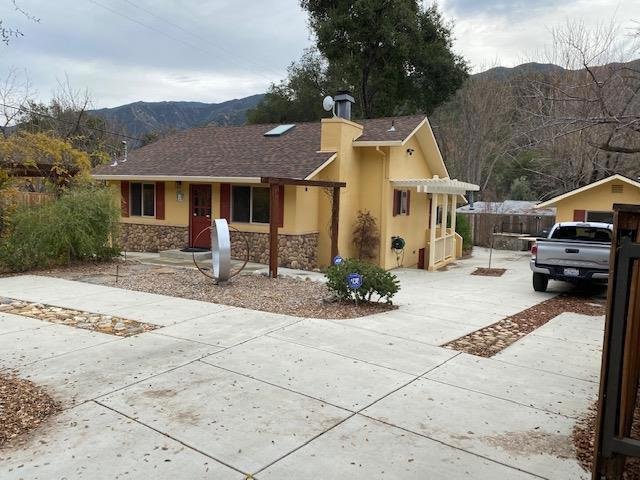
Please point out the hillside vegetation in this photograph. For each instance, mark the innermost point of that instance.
(141, 118)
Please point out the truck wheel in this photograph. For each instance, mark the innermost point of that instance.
(540, 282)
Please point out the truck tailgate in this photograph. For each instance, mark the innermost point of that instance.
(573, 254)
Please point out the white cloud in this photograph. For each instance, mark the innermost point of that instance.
(509, 37)
(216, 50)
(225, 48)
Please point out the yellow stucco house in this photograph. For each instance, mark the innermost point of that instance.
(594, 202)
(171, 189)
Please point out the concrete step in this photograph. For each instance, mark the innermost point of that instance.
(180, 255)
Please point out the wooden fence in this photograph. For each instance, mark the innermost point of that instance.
(484, 225)
(616, 439)
(25, 198)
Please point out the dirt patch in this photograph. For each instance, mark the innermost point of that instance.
(290, 296)
(23, 406)
(97, 322)
(490, 340)
(489, 272)
(534, 443)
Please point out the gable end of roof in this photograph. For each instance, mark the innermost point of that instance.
(616, 176)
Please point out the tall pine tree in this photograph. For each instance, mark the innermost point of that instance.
(395, 57)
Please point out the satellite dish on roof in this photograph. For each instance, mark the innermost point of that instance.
(328, 103)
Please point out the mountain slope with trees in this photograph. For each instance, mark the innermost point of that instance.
(538, 130)
(141, 118)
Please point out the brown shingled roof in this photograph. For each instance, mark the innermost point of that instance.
(377, 129)
(244, 151)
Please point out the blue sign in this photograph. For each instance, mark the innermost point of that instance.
(354, 281)
(338, 260)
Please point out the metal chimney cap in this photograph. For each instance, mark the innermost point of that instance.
(344, 95)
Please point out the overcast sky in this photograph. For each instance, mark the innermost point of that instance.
(216, 50)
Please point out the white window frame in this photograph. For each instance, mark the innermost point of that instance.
(403, 202)
(250, 222)
(142, 215)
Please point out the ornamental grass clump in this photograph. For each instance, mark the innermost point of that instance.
(378, 285)
(82, 224)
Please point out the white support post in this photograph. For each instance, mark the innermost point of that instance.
(432, 230)
(443, 226)
(453, 213)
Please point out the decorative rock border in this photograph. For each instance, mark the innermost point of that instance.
(118, 326)
(491, 340)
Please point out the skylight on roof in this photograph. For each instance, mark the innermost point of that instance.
(279, 130)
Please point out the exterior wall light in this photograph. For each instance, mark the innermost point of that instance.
(179, 194)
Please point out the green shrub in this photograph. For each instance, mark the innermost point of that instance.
(81, 224)
(375, 281)
(463, 228)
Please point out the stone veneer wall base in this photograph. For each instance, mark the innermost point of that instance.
(294, 251)
(138, 237)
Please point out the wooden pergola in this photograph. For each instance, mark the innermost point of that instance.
(274, 208)
(38, 170)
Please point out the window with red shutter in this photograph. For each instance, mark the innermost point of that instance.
(142, 199)
(251, 204)
(401, 202)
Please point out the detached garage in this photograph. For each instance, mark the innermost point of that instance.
(594, 202)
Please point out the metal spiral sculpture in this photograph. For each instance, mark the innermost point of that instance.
(221, 252)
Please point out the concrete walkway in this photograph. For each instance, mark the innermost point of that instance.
(222, 392)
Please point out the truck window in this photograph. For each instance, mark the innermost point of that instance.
(586, 234)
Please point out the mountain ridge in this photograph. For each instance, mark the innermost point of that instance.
(140, 118)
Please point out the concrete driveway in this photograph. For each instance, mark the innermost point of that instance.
(223, 393)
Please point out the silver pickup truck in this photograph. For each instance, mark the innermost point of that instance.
(573, 252)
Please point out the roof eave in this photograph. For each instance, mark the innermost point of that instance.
(378, 143)
(177, 178)
(616, 176)
(321, 167)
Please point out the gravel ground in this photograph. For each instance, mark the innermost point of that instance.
(23, 406)
(490, 340)
(584, 434)
(121, 327)
(290, 296)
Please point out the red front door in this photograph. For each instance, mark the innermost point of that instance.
(200, 215)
